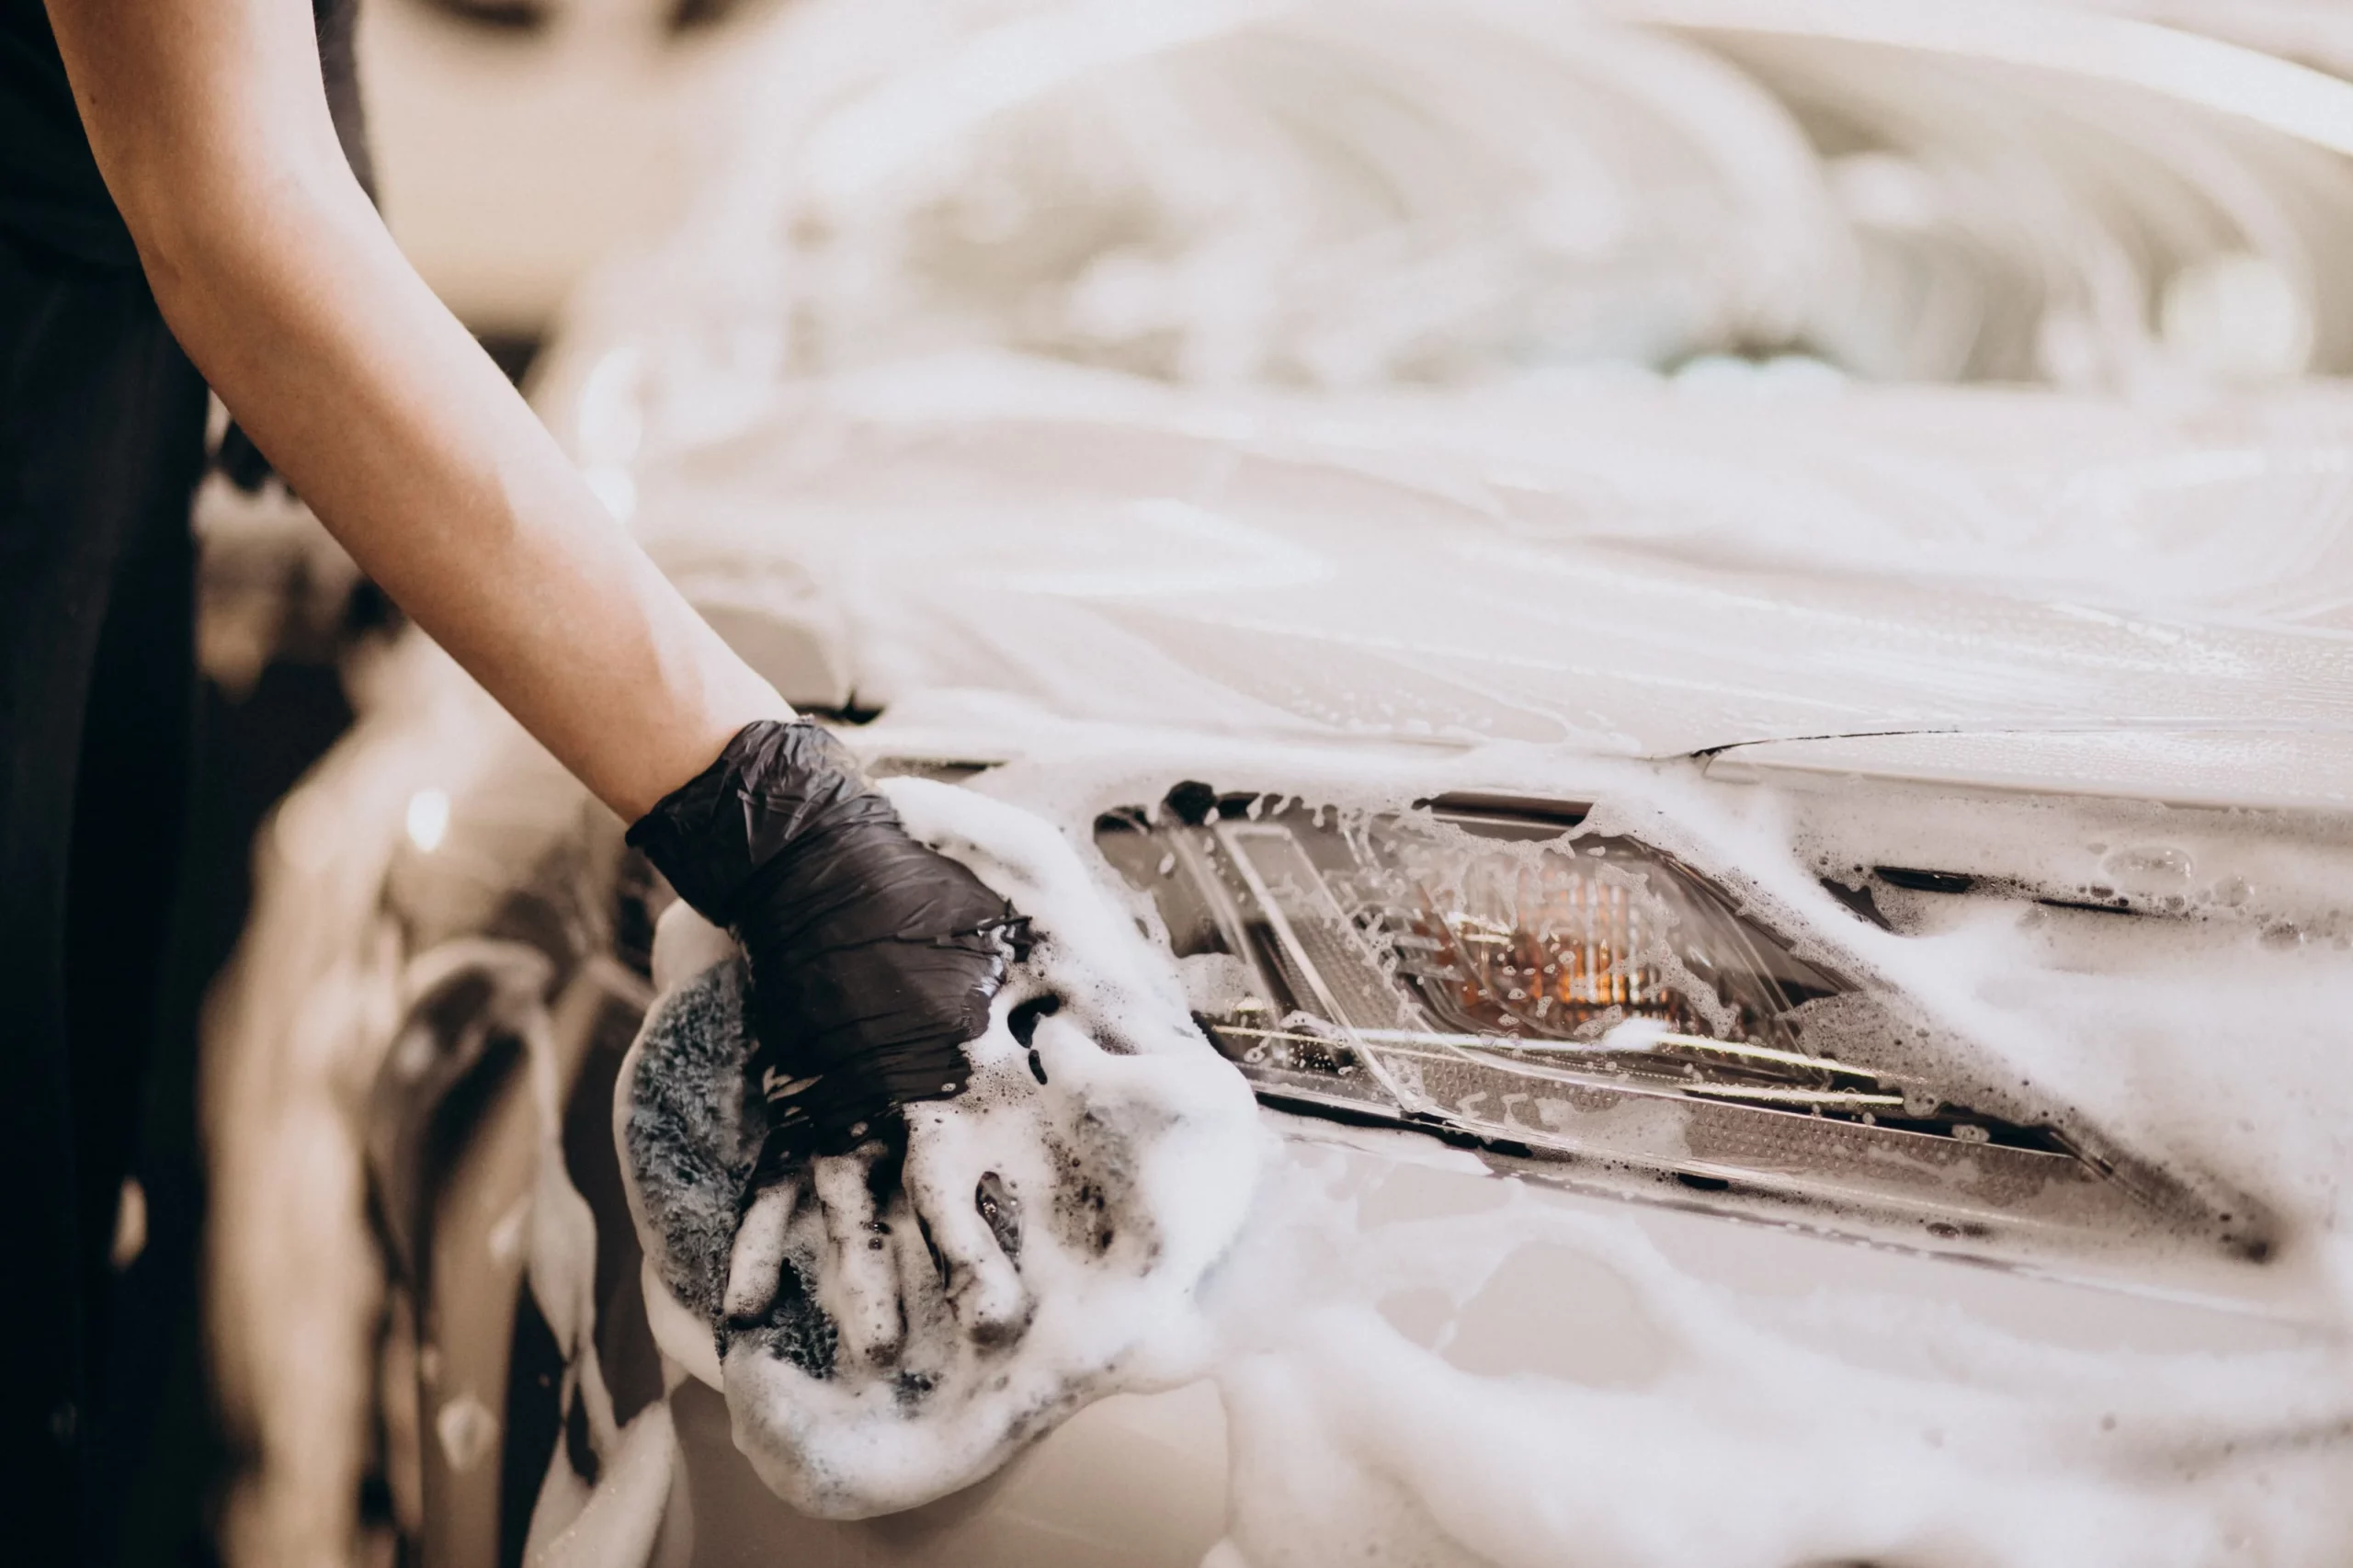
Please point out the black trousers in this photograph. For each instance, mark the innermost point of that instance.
(101, 443)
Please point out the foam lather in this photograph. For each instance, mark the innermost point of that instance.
(876, 1351)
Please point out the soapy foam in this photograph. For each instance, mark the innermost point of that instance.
(1860, 1429)
(1366, 1425)
(1072, 1200)
(2199, 1039)
(1739, 1445)
(2110, 1019)
(1348, 193)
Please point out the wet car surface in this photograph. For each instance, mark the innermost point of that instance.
(1706, 862)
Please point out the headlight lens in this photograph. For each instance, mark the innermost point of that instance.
(1484, 970)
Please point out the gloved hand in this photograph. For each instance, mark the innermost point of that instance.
(873, 958)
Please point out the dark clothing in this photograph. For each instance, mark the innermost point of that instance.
(50, 188)
(101, 442)
(49, 191)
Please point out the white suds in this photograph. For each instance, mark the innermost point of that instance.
(1532, 1386)
(1424, 1363)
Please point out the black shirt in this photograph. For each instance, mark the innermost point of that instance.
(49, 191)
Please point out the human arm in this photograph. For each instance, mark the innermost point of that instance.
(211, 125)
(873, 958)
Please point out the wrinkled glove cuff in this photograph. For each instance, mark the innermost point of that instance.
(715, 834)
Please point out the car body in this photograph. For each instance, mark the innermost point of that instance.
(2100, 809)
(1791, 935)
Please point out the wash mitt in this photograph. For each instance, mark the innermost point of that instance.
(893, 1324)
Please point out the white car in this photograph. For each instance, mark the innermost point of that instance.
(1792, 938)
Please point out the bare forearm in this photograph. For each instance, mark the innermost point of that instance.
(283, 286)
(384, 415)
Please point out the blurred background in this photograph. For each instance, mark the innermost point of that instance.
(656, 214)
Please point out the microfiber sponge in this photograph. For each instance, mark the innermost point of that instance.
(875, 1352)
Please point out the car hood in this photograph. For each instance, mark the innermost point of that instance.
(1629, 568)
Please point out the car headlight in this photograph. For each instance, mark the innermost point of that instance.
(1487, 972)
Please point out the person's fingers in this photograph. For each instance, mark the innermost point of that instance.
(923, 1284)
(947, 1185)
(860, 1293)
(755, 1266)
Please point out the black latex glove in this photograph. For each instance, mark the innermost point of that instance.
(873, 958)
